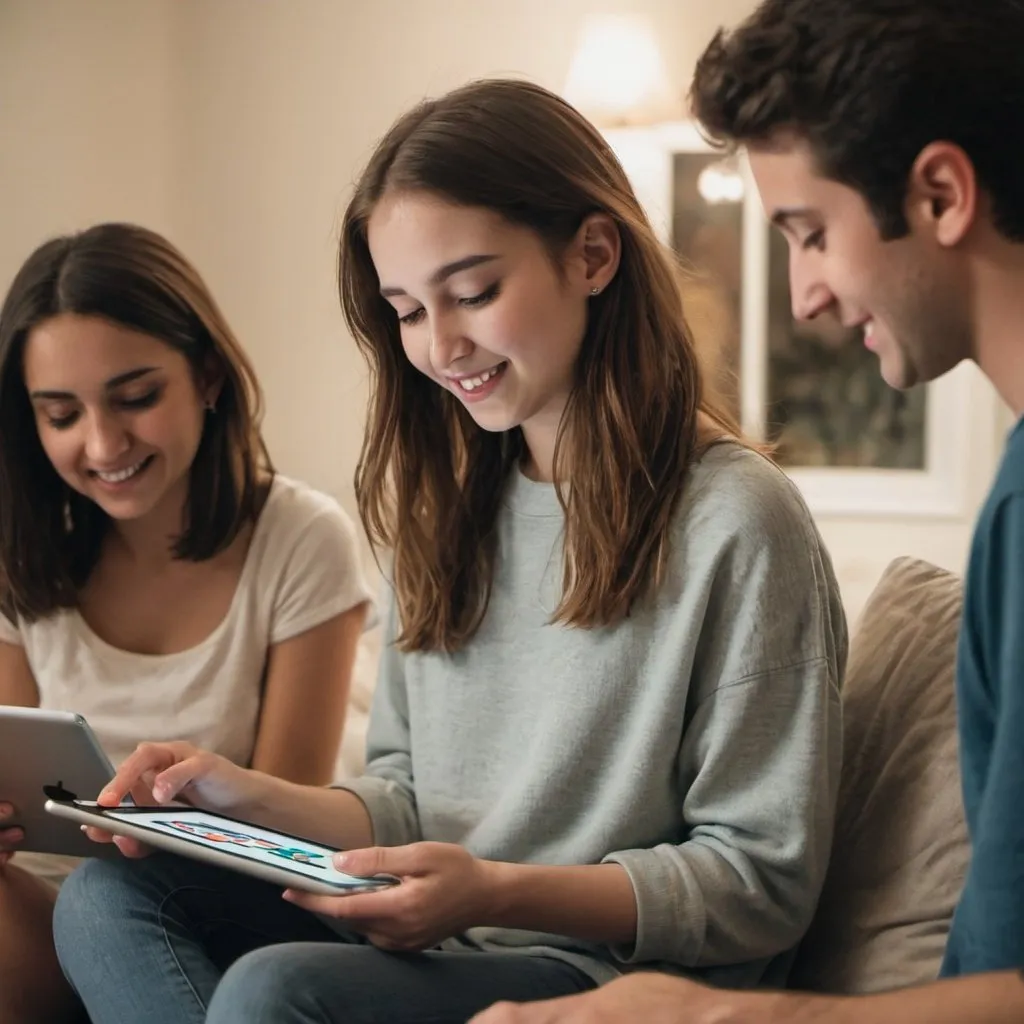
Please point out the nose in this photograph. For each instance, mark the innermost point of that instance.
(106, 439)
(448, 342)
(809, 294)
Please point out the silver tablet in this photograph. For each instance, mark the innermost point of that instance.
(275, 857)
(49, 754)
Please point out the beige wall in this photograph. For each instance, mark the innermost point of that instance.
(237, 127)
(86, 92)
(282, 103)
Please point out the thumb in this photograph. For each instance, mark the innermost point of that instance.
(380, 860)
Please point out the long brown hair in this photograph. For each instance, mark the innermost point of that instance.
(50, 535)
(429, 480)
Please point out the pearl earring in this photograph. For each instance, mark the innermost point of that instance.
(595, 291)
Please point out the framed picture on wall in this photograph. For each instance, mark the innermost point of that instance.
(852, 444)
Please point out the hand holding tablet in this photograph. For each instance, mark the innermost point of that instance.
(206, 827)
(46, 752)
(275, 857)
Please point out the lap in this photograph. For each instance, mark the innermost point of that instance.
(233, 912)
(325, 983)
(182, 924)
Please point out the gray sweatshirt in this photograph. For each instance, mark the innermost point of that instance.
(696, 743)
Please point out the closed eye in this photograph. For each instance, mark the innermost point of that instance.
(470, 302)
(413, 318)
(145, 401)
(815, 240)
(62, 422)
(488, 295)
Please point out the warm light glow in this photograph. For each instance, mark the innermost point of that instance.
(617, 76)
(720, 183)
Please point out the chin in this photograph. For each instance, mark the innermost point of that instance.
(124, 511)
(496, 423)
(897, 372)
(897, 381)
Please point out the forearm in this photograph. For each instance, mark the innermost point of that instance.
(334, 817)
(980, 999)
(591, 902)
(306, 764)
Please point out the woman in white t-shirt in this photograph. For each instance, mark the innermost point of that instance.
(156, 576)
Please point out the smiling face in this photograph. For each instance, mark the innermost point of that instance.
(119, 413)
(485, 312)
(910, 295)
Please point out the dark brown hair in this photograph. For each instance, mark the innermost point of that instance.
(50, 535)
(429, 480)
(868, 84)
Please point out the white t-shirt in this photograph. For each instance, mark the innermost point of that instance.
(302, 568)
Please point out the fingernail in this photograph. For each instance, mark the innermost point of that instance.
(5, 810)
(340, 860)
(16, 835)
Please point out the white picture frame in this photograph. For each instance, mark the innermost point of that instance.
(936, 491)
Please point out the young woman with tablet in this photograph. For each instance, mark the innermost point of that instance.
(156, 575)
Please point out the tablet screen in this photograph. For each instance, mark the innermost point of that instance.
(243, 840)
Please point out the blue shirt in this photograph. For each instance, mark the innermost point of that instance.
(988, 927)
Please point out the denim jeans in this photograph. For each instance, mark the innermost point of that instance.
(171, 941)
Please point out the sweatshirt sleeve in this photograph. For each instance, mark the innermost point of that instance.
(760, 756)
(988, 928)
(386, 786)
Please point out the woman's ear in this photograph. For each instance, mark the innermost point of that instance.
(212, 382)
(599, 249)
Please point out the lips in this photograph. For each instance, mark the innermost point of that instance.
(120, 476)
(869, 335)
(470, 384)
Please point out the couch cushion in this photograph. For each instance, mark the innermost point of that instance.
(900, 849)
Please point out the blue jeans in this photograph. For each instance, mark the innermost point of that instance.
(171, 941)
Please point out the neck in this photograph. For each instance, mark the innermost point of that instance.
(150, 540)
(999, 323)
(540, 434)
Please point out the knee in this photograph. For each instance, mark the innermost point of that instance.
(91, 906)
(268, 986)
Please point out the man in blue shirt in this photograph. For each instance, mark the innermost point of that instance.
(886, 138)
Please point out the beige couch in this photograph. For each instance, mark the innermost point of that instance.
(900, 849)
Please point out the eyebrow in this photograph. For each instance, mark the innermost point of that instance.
(442, 275)
(783, 217)
(114, 382)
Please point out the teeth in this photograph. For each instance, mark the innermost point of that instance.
(121, 475)
(471, 383)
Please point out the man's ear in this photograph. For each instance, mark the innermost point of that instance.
(942, 193)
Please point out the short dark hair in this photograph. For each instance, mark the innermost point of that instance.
(868, 84)
(50, 535)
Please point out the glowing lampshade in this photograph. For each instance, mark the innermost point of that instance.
(617, 76)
